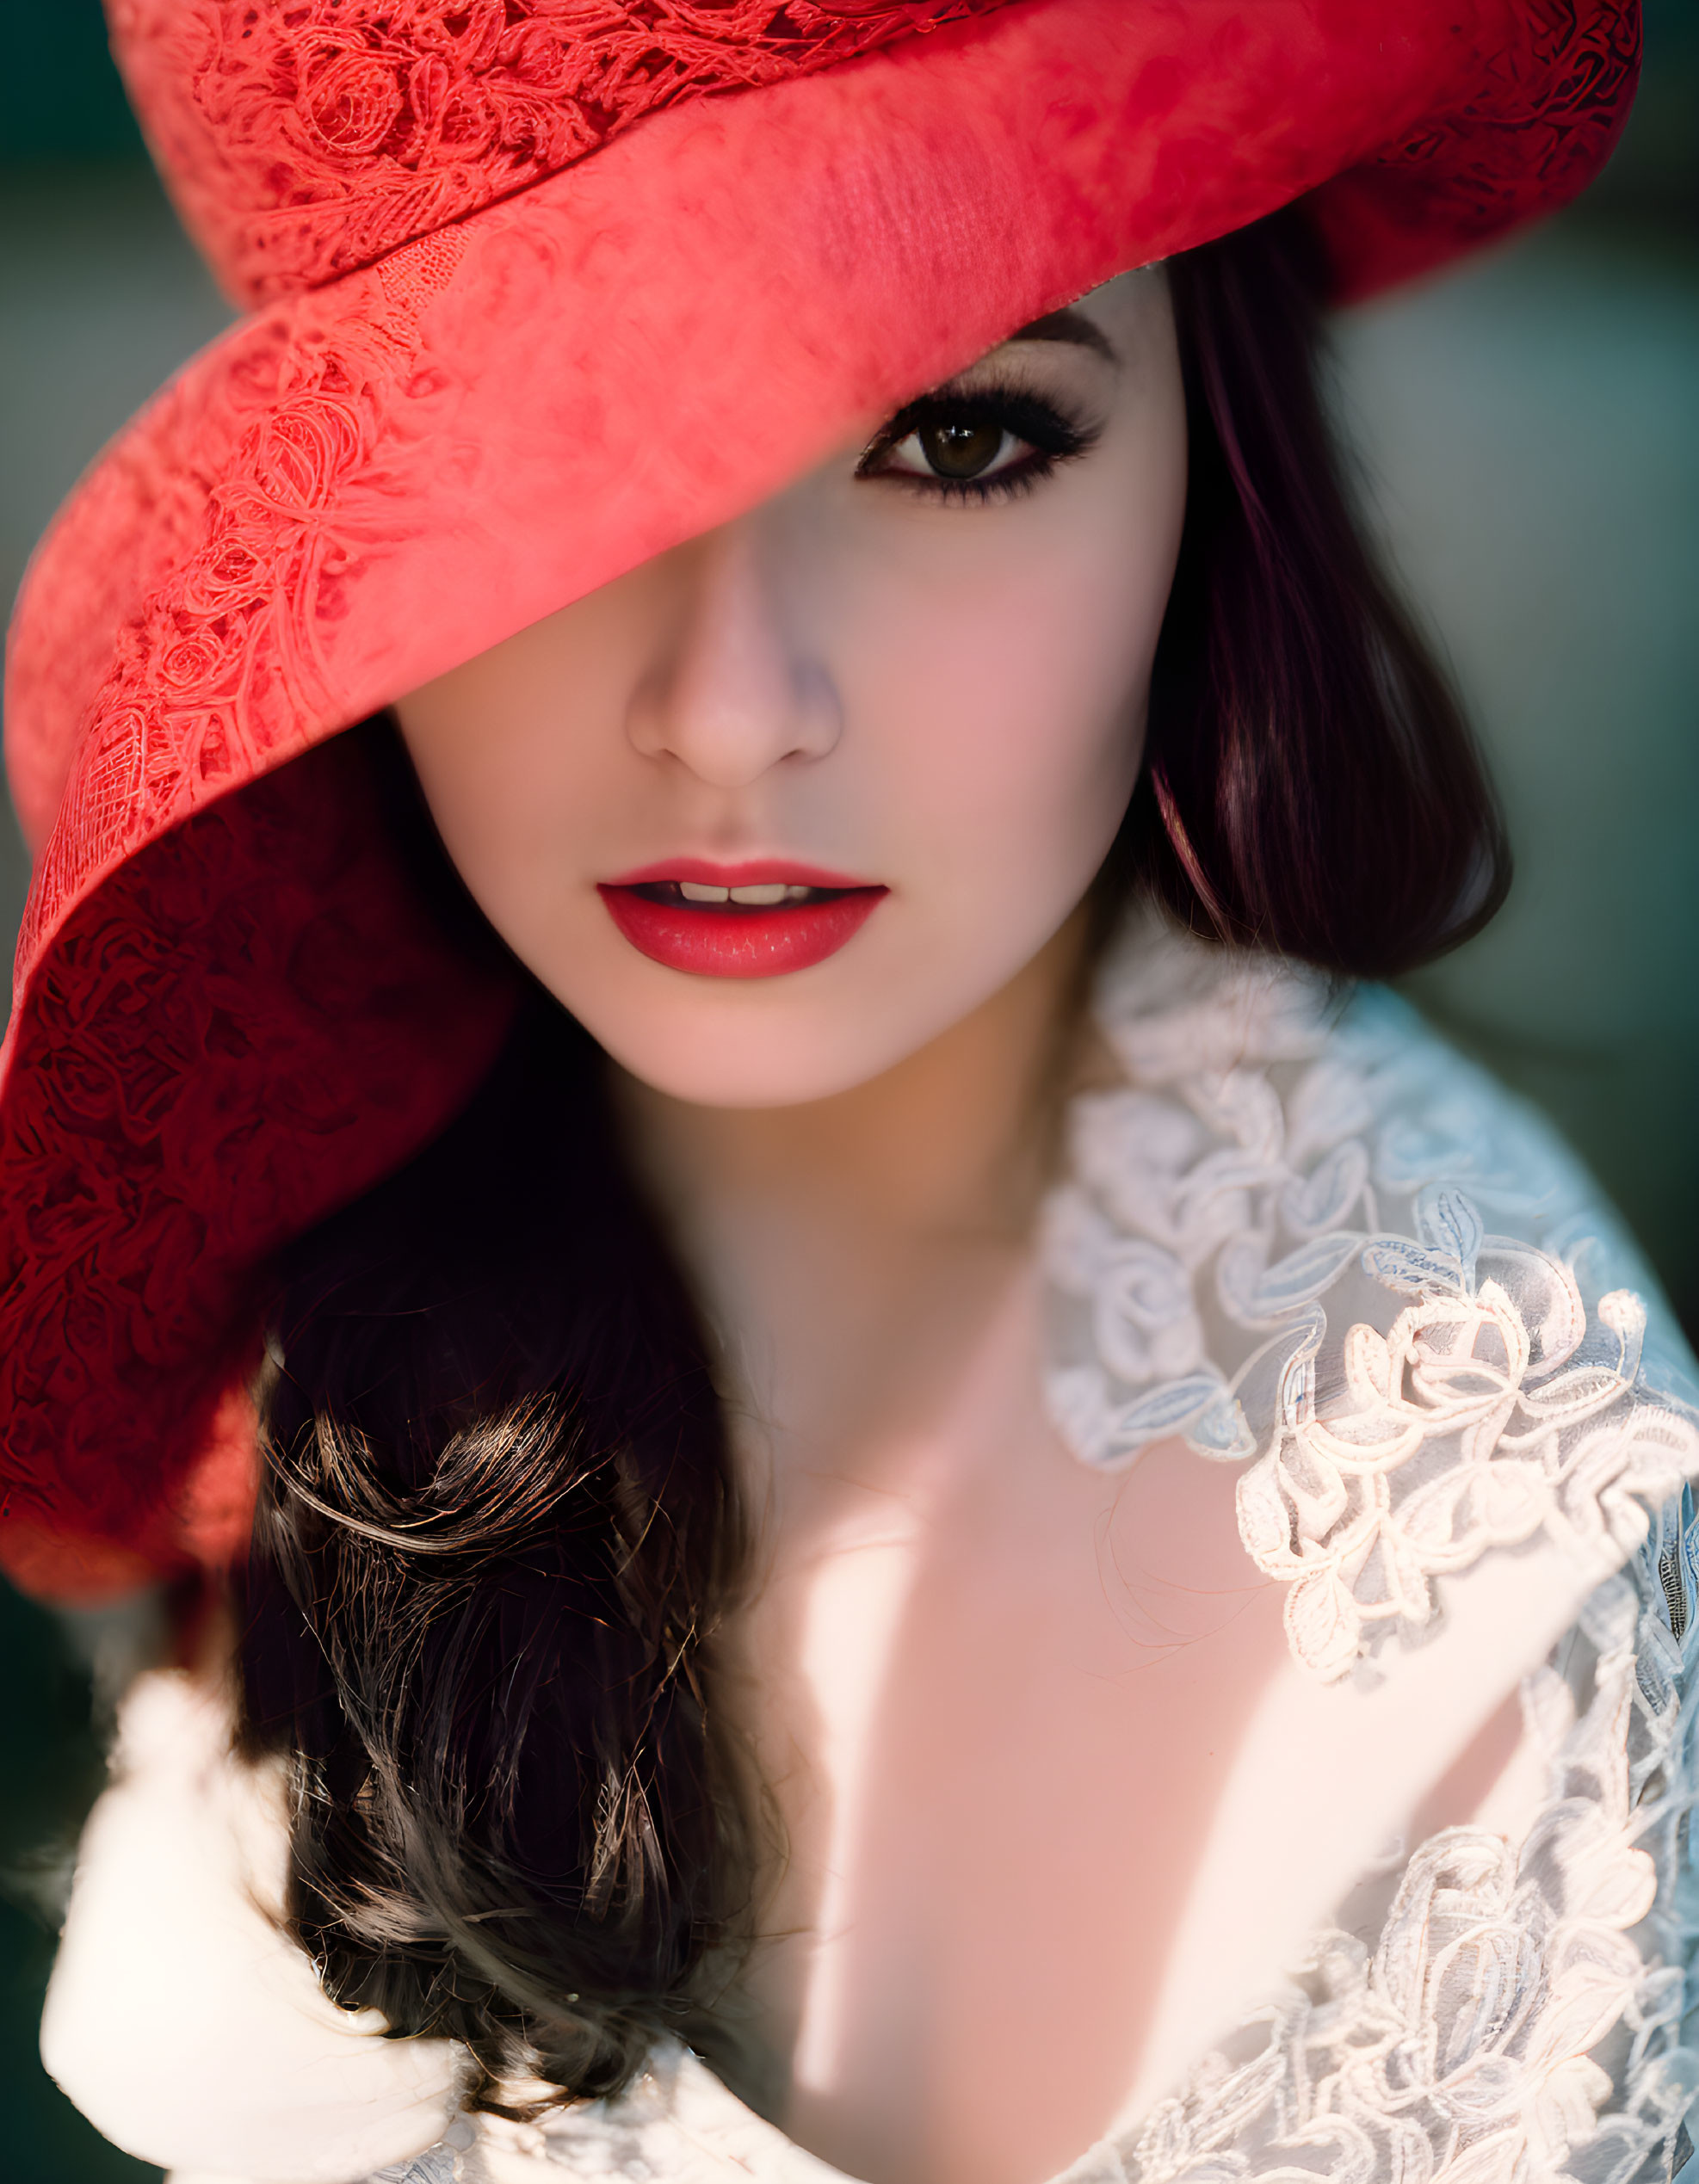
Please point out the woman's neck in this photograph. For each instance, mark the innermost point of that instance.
(858, 1232)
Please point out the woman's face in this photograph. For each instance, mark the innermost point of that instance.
(774, 811)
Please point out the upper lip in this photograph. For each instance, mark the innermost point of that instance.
(756, 872)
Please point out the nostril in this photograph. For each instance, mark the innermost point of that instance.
(730, 724)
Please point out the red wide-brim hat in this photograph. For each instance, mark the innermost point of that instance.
(539, 289)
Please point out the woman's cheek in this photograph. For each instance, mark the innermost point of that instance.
(1006, 773)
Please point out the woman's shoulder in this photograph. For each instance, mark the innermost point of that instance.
(1309, 1237)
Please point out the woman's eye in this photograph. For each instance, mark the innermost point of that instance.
(955, 450)
(973, 447)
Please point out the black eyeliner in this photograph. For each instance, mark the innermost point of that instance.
(1051, 436)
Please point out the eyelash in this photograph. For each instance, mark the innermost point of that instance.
(1051, 439)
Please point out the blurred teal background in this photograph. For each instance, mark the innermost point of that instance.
(1529, 430)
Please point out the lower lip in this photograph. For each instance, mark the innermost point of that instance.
(716, 943)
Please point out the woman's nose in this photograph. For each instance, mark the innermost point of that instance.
(732, 697)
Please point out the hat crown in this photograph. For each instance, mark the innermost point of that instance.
(302, 139)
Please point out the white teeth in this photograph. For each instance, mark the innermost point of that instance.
(762, 895)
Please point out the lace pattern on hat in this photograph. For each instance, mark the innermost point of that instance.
(307, 139)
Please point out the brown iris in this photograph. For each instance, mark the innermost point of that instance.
(960, 448)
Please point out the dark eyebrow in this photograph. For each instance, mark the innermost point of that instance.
(1068, 326)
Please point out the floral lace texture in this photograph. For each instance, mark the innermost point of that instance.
(1456, 166)
(1332, 1252)
(225, 973)
(304, 137)
(1522, 2014)
(267, 475)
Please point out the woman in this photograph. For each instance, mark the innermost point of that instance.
(915, 1479)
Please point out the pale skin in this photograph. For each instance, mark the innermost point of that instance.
(965, 1662)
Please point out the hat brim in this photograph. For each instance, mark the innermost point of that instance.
(362, 486)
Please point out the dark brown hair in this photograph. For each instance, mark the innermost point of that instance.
(497, 1528)
(1310, 785)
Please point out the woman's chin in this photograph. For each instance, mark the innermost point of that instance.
(777, 1043)
(789, 1066)
(790, 1040)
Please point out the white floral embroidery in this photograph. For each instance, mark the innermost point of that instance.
(1519, 2016)
(1275, 1244)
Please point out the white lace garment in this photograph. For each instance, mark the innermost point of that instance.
(1308, 1239)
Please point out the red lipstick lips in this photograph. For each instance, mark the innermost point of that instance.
(748, 920)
